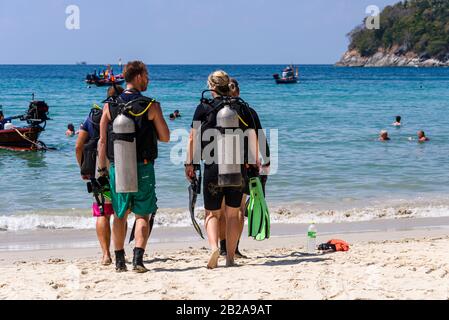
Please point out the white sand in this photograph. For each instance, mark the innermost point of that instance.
(408, 266)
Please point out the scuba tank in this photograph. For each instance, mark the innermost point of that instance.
(228, 142)
(125, 154)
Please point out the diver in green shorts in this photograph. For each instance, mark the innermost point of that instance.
(149, 127)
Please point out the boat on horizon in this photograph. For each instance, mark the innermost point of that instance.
(26, 138)
(99, 82)
(288, 76)
(106, 77)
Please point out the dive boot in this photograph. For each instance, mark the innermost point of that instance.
(138, 265)
(223, 251)
(120, 261)
(238, 254)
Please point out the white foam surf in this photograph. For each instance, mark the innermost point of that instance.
(289, 214)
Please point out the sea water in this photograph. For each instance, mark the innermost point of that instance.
(330, 166)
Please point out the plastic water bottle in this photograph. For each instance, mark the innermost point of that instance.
(311, 238)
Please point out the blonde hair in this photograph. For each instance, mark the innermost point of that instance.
(220, 82)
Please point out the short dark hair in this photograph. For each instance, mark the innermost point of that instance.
(71, 127)
(133, 69)
(398, 118)
(235, 82)
(1, 114)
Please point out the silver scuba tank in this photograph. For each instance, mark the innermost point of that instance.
(228, 145)
(125, 155)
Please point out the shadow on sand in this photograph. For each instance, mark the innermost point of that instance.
(280, 260)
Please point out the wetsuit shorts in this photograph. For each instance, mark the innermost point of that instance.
(214, 195)
(141, 203)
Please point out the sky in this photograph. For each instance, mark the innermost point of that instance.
(180, 31)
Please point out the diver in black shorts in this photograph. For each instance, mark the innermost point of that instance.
(220, 187)
(249, 172)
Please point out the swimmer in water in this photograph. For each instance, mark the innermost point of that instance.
(383, 136)
(70, 130)
(422, 136)
(398, 123)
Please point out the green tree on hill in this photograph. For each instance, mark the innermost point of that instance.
(419, 26)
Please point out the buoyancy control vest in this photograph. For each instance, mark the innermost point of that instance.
(145, 132)
(90, 149)
(225, 116)
(214, 106)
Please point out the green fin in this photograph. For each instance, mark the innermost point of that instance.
(258, 213)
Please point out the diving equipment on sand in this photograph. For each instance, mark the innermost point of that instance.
(194, 191)
(258, 213)
(125, 154)
(228, 145)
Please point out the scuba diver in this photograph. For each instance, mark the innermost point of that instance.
(86, 156)
(263, 170)
(222, 181)
(129, 132)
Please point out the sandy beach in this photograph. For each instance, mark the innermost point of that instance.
(390, 259)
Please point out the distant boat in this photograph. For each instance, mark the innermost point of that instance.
(106, 77)
(81, 63)
(288, 76)
(102, 82)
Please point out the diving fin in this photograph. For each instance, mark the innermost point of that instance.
(192, 203)
(258, 213)
(194, 191)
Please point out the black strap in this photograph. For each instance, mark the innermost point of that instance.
(129, 137)
(99, 196)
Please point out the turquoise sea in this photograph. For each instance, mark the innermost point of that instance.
(329, 156)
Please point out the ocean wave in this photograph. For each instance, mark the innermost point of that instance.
(81, 220)
(288, 214)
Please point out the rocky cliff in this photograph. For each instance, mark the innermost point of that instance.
(392, 58)
(413, 33)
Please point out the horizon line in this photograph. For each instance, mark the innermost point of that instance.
(167, 64)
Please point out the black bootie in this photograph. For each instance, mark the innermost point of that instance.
(120, 261)
(138, 265)
(223, 251)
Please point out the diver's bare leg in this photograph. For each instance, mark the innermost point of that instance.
(212, 228)
(103, 229)
(119, 232)
(233, 232)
